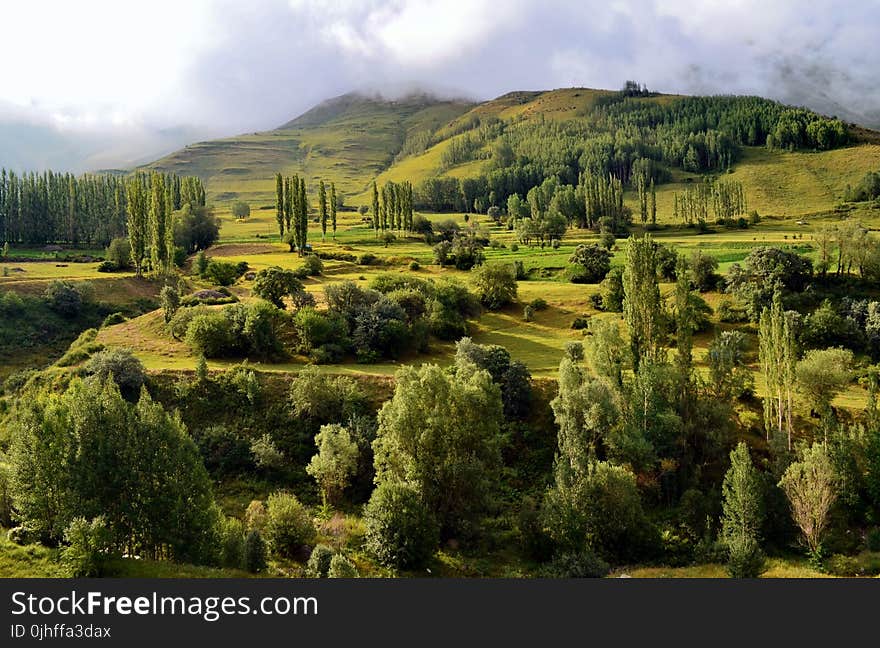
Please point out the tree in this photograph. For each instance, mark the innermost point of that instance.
(778, 355)
(88, 452)
(496, 284)
(274, 284)
(810, 485)
(280, 194)
(169, 299)
(122, 367)
(821, 375)
(333, 207)
(742, 515)
(642, 306)
(375, 208)
(119, 253)
(401, 532)
(335, 463)
(440, 432)
(254, 552)
(241, 209)
(64, 298)
(322, 208)
(137, 219)
(158, 224)
(288, 525)
(589, 264)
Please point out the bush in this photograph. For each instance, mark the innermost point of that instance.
(583, 564)
(223, 273)
(209, 333)
(232, 543)
(731, 313)
(319, 561)
(64, 298)
(313, 265)
(88, 543)
(200, 265)
(106, 266)
(745, 559)
(574, 351)
(535, 541)
(265, 453)
(840, 565)
(414, 266)
(342, 567)
(289, 526)
(119, 253)
(400, 531)
(366, 259)
(611, 291)
(112, 319)
(538, 304)
(224, 451)
(528, 313)
(580, 323)
(122, 365)
(254, 552)
(255, 516)
(496, 285)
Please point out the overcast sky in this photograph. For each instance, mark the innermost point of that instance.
(129, 76)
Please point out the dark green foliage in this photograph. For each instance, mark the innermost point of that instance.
(765, 270)
(745, 558)
(867, 189)
(224, 451)
(589, 264)
(240, 209)
(240, 330)
(583, 564)
(122, 366)
(112, 319)
(611, 291)
(196, 228)
(223, 273)
(64, 298)
(254, 552)
(702, 270)
(313, 265)
(119, 253)
(400, 530)
(826, 327)
(169, 299)
(319, 561)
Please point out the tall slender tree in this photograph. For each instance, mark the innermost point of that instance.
(642, 305)
(280, 194)
(322, 208)
(333, 207)
(375, 208)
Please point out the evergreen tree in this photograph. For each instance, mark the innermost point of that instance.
(742, 515)
(333, 207)
(322, 208)
(280, 194)
(157, 222)
(642, 305)
(375, 208)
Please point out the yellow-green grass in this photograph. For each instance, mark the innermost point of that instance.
(41, 270)
(775, 568)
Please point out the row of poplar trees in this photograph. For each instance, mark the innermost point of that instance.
(92, 209)
(152, 200)
(292, 210)
(395, 209)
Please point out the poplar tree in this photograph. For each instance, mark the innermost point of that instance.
(653, 203)
(286, 207)
(375, 208)
(778, 357)
(280, 194)
(743, 515)
(157, 221)
(303, 216)
(137, 220)
(642, 306)
(333, 207)
(322, 208)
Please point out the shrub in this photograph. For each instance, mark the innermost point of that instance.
(342, 567)
(232, 543)
(288, 525)
(366, 259)
(580, 323)
(224, 451)
(535, 541)
(319, 561)
(122, 365)
(119, 253)
(87, 545)
(840, 565)
(255, 516)
(496, 285)
(200, 265)
(254, 552)
(112, 319)
(209, 333)
(400, 531)
(582, 564)
(223, 273)
(266, 454)
(313, 265)
(64, 298)
(106, 266)
(335, 463)
(528, 313)
(731, 313)
(414, 266)
(611, 291)
(538, 304)
(745, 558)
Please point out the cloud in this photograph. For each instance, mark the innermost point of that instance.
(223, 66)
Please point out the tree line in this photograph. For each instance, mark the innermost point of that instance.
(92, 209)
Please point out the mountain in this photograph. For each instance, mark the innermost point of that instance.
(349, 139)
(356, 138)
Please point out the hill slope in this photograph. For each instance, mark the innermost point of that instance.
(349, 139)
(354, 139)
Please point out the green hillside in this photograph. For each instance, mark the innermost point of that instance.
(348, 139)
(354, 139)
